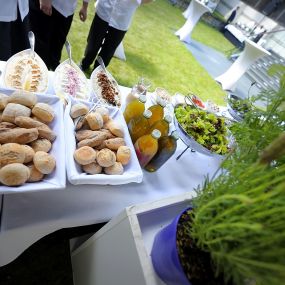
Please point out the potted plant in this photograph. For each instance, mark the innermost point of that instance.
(234, 233)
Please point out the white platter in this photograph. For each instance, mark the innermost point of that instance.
(132, 171)
(57, 179)
(77, 86)
(25, 81)
(97, 89)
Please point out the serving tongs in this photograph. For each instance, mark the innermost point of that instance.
(102, 64)
(31, 37)
(68, 49)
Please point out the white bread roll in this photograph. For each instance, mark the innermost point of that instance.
(3, 101)
(35, 175)
(85, 155)
(78, 109)
(106, 157)
(13, 110)
(41, 145)
(44, 112)
(11, 153)
(44, 162)
(25, 98)
(92, 168)
(14, 174)
(95, 121)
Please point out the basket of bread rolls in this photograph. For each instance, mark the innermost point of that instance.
(31, 142)
(99, 149)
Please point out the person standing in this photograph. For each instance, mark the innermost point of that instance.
(51, 21)
(109, 26)
(232, 15)
(14, 27)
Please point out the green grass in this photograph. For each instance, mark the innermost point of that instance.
(153, 51)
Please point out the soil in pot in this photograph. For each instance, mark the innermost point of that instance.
(197, 264)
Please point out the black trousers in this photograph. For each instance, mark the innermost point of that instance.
(101, 35)
(13, 37)
(50, 33)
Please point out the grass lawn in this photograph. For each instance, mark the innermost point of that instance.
(153, 51)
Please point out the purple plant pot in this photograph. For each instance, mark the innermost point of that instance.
(165, 258)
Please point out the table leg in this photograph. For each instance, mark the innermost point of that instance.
(186, 13)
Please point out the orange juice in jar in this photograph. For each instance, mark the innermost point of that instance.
(139, 126)
(162, 125)
(146, 147)
(135, 108)
(157, 111)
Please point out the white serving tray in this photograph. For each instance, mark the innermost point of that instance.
(132, 171)
(57, 179)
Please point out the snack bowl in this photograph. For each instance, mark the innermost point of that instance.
(26, 72)
(57, 179)
(238, 106)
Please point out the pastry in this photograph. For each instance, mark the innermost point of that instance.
(78, 110)
(106, 157)
(95, 121)
(44, 112)
(18, 135)
(3, 101)
(124, 154)
(85, 155)
(35, 175)
(14, 174)
(41, 145)
(13, 110)
(25, 98)
(92, 168)
(115, 169)
(11, 153)
(44, 162)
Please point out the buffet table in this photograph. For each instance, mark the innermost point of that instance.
(27, 217)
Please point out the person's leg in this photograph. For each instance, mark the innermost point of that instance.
(112, 41)
(5, 40)
(41, 26)
(60, 28)
(96, 35)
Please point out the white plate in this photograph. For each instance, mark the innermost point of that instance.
(76, 87)
(25, 80)
(98, 90)
(56, 180)
(132, 171)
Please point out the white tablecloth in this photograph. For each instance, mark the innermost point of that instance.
(27, 217)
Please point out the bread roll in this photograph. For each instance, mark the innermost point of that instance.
(115, 128)
(29, 153)
(115, 169)
(14, 174)
(94, 141)
(108, 133)
(11, 153)
(41, 145)
(44, 162)
(85, 155)
(3, 101)
(106, 157)
(25, 98)
(124, 154)
(92, 168)
(13, 110)
(95, 121)
(115, 143)
(104, 113)
(44, 112)
(7, 125)
(86, 134)
(35, 175)
(46, 133)
(18, 135)
(78, 110)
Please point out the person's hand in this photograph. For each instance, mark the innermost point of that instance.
(46, 7)
(83, 14)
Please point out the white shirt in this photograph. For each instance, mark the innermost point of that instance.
(65, 7)
(8, 9)
(118, 13)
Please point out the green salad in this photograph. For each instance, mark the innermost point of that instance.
(240, 105)
(207, 129)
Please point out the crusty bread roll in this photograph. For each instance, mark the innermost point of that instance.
(3, 101)
(11, 153)
(115, 128)
(41, 145)
(13, 110)
(35, 175)
(44, 162)
(103, 111)
(44, 112)
(95, 121)
(92, 168)
(78, 109)
(29, 153)
(124, 154)
(18, 135)
(115, 143)
(85, 155)
(106, 157)
(94, 141)
(25, 98)
(86, 134)
(7, 125)
(14, 174)
(108, 133)
(115, 169)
